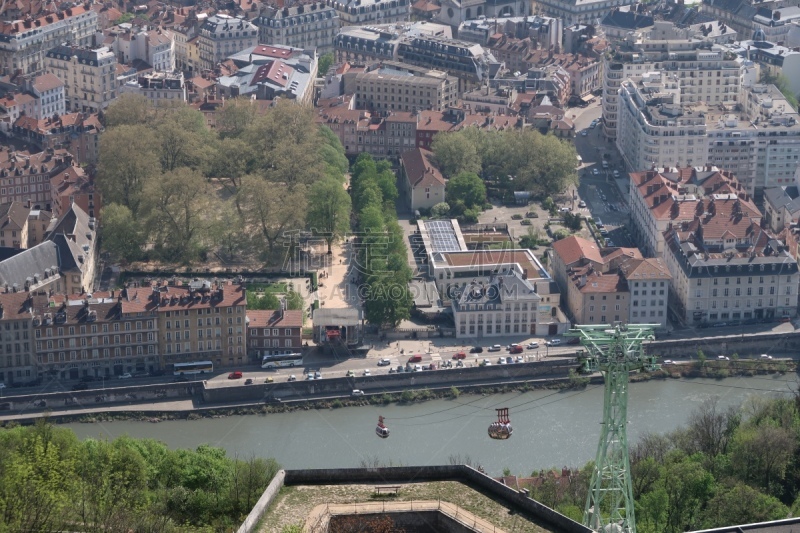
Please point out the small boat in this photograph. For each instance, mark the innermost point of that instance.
(501, 429)
(382, 431)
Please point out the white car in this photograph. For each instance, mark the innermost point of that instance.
(615, 173)
(765, 356)
(533, 345)
(668, 362)
(581, 204)
(584, 133)
(366, 372)
(384, 362)
(417, 368)
(292, 378)
(723, 358)
(520, 359)
(495, 348)
(553, 342)
(486, 362)
(126, 375)
(595, 172)
(357, 392)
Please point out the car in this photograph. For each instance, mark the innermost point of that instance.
(668, 362)
(595, 172)
(310, 376)
(180, 379)
(592, 125)
(317, 375)
(486, 362)
(235, 375)
(269, 379)
(292, 378)
(459, 364)
(604, 232)
(609, 242)
(366, 372)
(564, 209)
(516, 349)
(384, 362)
(249, 381)
(584, 133)
(127, 375)
(723, 358)
(400, 369)
(553, 342)
(415, 358)
(786, 319)
(417, 368)
(459, 355)
(350, 374)
(511, 346)
(495, 348)
(476, 349)
(357, 392)
(392, 370)
(581, 204)
(765, 356)
(80, 386)
(599, 223)
(520, 359)
(720, 324)
(501, 361)
(615, 173)
(612, 207)
(533, 345)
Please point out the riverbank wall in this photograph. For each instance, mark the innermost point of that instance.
(743, 344)
(465, 474)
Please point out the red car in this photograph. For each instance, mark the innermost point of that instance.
(516, 349)
(415, 358)
(235, 375)
(460, 355)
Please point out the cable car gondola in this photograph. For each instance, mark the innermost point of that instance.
(501, 429)
(382, 431)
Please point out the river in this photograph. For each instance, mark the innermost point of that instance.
(551, 429)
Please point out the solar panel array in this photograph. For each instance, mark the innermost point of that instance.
(442, 235)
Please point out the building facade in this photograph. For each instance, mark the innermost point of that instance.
(370, 12)
(160, 88)
(304, 26)
(274, 332)
(422, 185)
(393, 87)
(89, 76)
(24, 43)
(221, 36)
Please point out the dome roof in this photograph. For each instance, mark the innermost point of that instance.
(759, 35)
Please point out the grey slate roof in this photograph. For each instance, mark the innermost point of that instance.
(784, 197)
(30, 263)
(627, 20)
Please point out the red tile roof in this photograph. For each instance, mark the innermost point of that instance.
(273, 318)
(420, 170)
(574, 248)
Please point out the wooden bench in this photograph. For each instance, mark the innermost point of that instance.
(387, 489)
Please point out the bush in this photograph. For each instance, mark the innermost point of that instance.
(516, 217)
(531, 214)
(525, 222)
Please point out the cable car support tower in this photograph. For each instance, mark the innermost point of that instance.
(615, 351)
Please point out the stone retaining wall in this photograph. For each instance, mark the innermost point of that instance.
(263, 503)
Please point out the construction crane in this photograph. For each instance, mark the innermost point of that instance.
(614, 351)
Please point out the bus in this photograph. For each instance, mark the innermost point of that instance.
(198, 367)
(275, 361)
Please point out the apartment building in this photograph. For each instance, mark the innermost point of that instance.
(545, 31)
(507, 304)
(370, 12)
(156, 47)
(17, 355)
(665, 197)
(201, 321)
(101, 335)
(603, 286)
(396, 87)
(575, 11)
(726, 268)
(75, 187)
(24, 43)
(160, 88)
(48, 91)
(26, 177)
(89, 75)
(421, 184)
(274, 332)
(304, 26)
(656, 129)
(360, 131)
(709, 73)
(781, 207)
(221, 36)
(14, 225)
(77, 133)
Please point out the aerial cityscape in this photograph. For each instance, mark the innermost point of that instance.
(395, 266)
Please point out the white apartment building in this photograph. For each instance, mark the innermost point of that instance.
(304, 26)
(370, 12)
(222, 36)
(48, 91)
(505, 305)
(24, 43)
(89, 75)
(155, 47)
(182, 35)
(160, 88)
(728, 269)
(655, 128)
(575, 11)
(662, 198)
(708, 72)
(395, 86)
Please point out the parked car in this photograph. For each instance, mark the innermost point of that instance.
(249, 381)
(476, 349)
(553, 342)
(127, 375)
(292, 378)
(486, 362)
(235, 375)
(495, 348)
(417, 368)
(533, 345)
(317, 375)
(269, 379)
(350, 374)
(765, 356)
(366, 372)
(723, 358)
(581, 204)
(520, 359)
(615, 173)
(501, 360)
(357, 392)
(595, 172)
(80, 386)
(668, 362)
(415, 358)
(310, 376)
(384, 362)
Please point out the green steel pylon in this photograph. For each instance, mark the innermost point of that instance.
(614, 351)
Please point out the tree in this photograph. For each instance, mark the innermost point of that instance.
(121, 232)
(440, 210)
(267, 301)
(128, 159)
(129, 109)
(741, 504)
(176, 208)
(328, 210)
(572, 221)
(468, 188)
(271, 210)
(324, 64)
(763, 453)
(236, 116)
(456, 153)
(711, 428)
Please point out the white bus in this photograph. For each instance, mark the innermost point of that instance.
(275, 361)
(197, 367)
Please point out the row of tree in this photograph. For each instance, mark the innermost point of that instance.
(513, 160)
(726, 467)
(50, 481)
(382, 260)
(177, 190)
